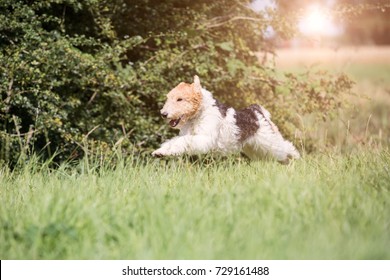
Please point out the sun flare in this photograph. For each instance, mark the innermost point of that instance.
(317, 22)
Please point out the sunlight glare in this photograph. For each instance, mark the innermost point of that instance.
(317, 22)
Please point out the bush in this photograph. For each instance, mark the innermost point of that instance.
(90, 76)
(61, 82)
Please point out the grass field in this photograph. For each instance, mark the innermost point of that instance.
(322, 207)
(334, 204)
(365, 121)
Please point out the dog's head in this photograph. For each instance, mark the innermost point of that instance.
(183, 102)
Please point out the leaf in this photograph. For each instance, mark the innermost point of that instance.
(233, 65)
(226, 46)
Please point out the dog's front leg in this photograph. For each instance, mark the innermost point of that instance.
(187, 144)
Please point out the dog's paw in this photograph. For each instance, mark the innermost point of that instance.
(160, 153)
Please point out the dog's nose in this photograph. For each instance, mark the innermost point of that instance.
(164, 115)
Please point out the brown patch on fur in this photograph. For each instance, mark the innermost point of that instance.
(192, 99)
(184, 101)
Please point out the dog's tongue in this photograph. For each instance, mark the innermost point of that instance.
(174, 123)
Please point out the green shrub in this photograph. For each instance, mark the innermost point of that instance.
(59, 82)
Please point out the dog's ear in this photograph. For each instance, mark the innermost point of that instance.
(197, 86)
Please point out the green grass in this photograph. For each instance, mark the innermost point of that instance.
(363, 63)
(320, 207)
(377, 74)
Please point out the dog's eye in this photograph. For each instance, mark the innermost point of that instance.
(179, 99)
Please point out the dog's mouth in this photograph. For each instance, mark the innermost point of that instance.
(174, 122)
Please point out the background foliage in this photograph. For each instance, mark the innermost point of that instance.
(90, 76)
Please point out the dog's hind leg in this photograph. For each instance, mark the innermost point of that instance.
(272, 144)
(253, 153)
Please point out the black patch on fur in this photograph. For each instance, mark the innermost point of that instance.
(256, 108)
(247, 121)
(221, 107)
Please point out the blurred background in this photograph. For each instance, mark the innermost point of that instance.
(350, 36)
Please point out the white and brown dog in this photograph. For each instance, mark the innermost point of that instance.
(207, 125)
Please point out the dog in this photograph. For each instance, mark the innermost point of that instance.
(207, 125)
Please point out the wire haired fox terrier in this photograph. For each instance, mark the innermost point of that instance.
(207, 125)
